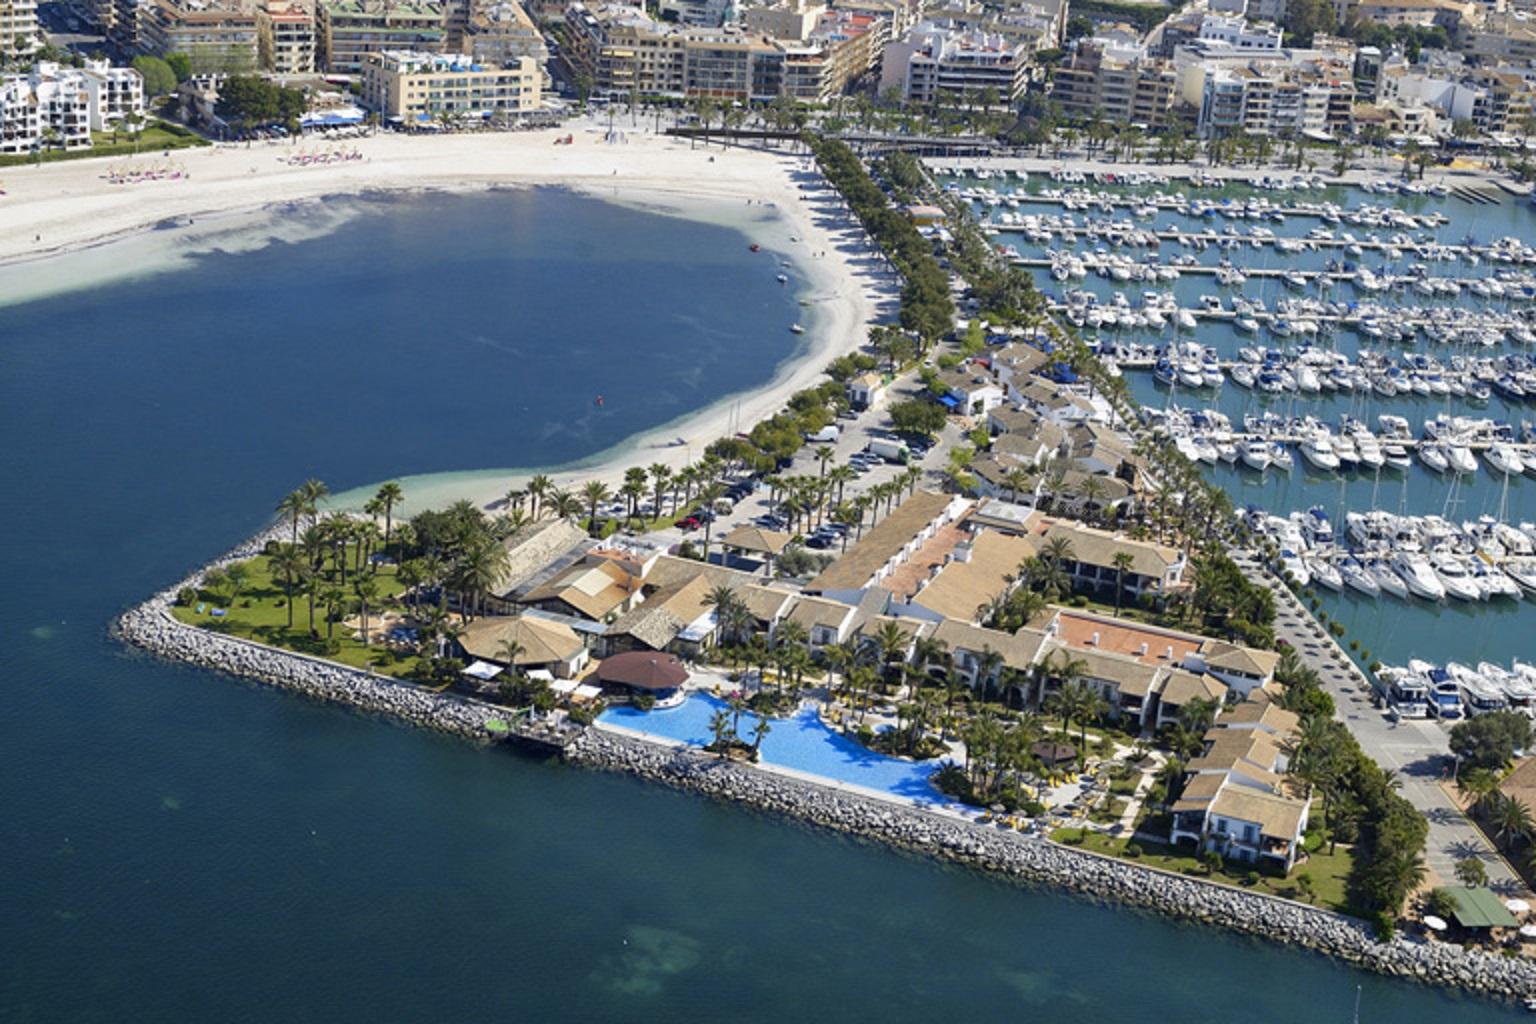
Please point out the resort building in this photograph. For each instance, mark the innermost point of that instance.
(58, 107)
(501, 33)
(967, 390)
(411, 86)
(541, 645)
(955, 67)
(755, 546)
(20, 33)
(989, 658)
(129, 24)
(840, 47)
(826, 622)
(866, 391)
(677, 618)
(981, 569)
(1237, 798)
(218, 39)
(349, 30)
(887, 545)
(286, 39)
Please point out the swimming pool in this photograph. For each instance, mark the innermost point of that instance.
(803, 743)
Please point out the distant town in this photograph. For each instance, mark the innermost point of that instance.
(1242, 79)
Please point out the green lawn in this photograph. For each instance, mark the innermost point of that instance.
(153, 140)
(259, 612)
(1328, 872)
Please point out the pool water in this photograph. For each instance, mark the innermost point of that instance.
(803, 743)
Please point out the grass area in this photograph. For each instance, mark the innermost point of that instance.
(1328, 872)
(259, 611)
(156, 138)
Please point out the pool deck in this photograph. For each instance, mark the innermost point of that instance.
(938, 805)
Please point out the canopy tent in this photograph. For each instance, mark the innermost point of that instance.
(336, 118)
(482, 670)
(949, 402)
(586, 691)
(563, 686)
(1479, 908)
(643, 670)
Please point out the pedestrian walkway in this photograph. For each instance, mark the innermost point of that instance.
(1418, 751)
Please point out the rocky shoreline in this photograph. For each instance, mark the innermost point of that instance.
(1043, 862)
(152, 627)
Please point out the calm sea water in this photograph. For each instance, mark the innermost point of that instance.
(179, 846)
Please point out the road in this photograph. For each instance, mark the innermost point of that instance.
(1418, 751)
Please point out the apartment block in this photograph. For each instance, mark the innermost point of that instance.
(58, 107)
(1099, 81)
(409, 86)
(218, 39)
(952, 66)
(348, 31)
(286, 38)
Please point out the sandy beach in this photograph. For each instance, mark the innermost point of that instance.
(56, 209)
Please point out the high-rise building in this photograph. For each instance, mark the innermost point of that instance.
(349, 30)
(20, 34)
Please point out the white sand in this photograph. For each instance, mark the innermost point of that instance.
(63, 207)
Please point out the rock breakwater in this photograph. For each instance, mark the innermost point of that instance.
(1039, 861)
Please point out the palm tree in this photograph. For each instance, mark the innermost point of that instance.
(367, 590)
(538, 489)
(565, 504)
(823, 456)
(509, 651)
(389, 495)
(289, 563)
(1511, 820)
(893, 642)
(728, 609)
(334, 600)
(314, 491)
(758, 732)
(1122, 561)
(480, 569)
(292, 507)
(593, 493)
(708, 495)
(661, 476)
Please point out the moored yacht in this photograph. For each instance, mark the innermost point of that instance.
(1418, 574)
(1455, 578)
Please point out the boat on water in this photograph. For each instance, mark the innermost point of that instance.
(1417, 574)
(796, 329)
(1324, 574)
(1318, 450)
(1256, 455)
(1434, 457)
(1455, 578)
(1291, 562)
(1358, 578)
(1478, 695)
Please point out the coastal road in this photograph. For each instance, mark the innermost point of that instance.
(1418, 751)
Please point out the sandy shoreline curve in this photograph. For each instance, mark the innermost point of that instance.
(52, 210)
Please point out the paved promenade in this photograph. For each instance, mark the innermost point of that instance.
(1417, 750)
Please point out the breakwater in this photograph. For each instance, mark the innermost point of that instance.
(1040, 861)
(151, 626)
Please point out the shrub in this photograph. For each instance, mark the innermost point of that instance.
(1251, 879)
(1384, 925)
(644, 701)
(1133, 850)
(186, 596)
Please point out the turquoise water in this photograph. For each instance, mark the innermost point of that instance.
(1390, 630)
(802, 743)
(180, 846)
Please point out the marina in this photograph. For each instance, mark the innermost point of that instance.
(1364, 351)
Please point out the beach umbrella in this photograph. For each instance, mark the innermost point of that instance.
(1435, 924)
(1516, 906)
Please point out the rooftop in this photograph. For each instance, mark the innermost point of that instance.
(858, 565)
(1123, 636)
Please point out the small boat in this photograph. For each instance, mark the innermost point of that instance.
(1387, 578)
(1357, 577)
(1455, 579)
(754, 247)
(796, 329)
(782, 278)
(1324, 573)
(1256, 455)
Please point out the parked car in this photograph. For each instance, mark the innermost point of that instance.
(688, 523)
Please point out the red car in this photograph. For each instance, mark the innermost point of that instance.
(687, 523)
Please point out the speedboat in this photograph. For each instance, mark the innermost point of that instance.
(1504, 459)
(1280, 457)
(1444, 693)
(1291, 562)
(1417, 574)
(1433, 456)
(1324, 573)
(1256, 455)
(1460, 458)
(1455, 578)
(1478, 695)
(1523, 572)
(1357, 577)
(1318, 450)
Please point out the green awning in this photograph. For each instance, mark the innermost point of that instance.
(1479, 908)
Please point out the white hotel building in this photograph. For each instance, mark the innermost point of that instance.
(58, 107)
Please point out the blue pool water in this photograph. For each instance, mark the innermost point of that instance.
(803, 743)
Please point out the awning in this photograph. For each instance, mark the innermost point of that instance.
(1479, 908)
(482, 670)
(563, 686)
(949, 401)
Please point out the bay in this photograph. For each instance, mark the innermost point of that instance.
(176, 845)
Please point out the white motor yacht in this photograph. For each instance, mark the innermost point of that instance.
(1523, 572)
(1324, 574)
(1318, 450)
(1291, 562)
(1387, 578)
(1418, 574)
(1356, 577)
(1256, 455)
(1460, 458)
(1280, 457)
(1455, 578)
(1433, 456)
(1478, 695)
(1504, 459)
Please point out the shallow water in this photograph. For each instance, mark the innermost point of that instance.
(176, 845)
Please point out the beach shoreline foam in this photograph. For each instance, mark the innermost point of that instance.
(63, 210)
